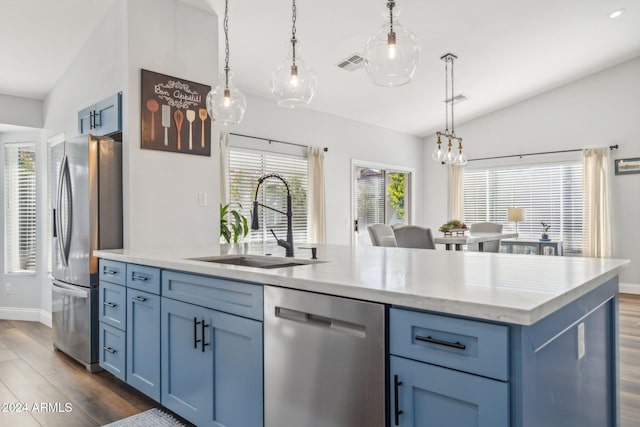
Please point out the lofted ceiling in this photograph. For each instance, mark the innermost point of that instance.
(508, 50)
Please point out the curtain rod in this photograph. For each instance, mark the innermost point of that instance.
(325, 149)
(611, 147)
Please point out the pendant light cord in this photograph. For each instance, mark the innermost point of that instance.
(453, 132)
(391, 5)
(293, 31)
(226, 44)
(446, 94)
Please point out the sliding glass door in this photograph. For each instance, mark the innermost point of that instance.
(381, 195)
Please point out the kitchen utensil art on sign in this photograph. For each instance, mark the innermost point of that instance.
(178, 102)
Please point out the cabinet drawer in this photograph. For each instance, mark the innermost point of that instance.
(112, 271)
(143, 278)
(112, 350)
(243, 299)
(466, 345)
(113, 305)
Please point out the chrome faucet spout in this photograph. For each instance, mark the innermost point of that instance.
(255, 225)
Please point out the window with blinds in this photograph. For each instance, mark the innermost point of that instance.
(20, 207)
(246, 167)
(550, 193)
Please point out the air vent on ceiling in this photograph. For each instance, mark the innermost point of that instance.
(456, 99)
(351, 63)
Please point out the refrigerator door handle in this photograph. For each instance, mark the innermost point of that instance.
(64, 240)
(65, 289)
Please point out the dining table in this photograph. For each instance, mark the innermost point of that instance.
(467, 239)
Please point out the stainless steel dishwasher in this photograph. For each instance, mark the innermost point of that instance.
(324, 360)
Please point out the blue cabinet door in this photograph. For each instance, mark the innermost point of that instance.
(143, 342)
(427, 395)
(102, 118)
(211, 373)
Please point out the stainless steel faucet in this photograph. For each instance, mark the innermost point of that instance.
(255, 225)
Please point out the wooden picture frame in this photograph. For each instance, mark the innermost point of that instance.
(627, 166)
(173, 115)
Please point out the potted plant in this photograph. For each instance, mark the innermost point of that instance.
(545, 229)
(233, 225)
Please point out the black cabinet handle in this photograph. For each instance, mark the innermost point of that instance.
(140, 299)
(110, 350)
(397, 412)
(110, 304)
(204, 344)
(109, 272)
(139, 278)
(92, 123)
(195, 332)
(456, 344)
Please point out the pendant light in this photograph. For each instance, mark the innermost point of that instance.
(293, 83)
(391, 53)
(452, 156)
(225, 103)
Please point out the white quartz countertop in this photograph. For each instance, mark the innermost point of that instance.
(518, 289)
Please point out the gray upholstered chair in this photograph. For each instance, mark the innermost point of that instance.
(486, 227)
(378, 231)
(414, 236)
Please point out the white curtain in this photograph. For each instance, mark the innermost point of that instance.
(224, 168)
(596, 210)
(455, 208)
(316, 223)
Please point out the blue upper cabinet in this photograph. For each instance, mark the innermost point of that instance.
(102, 118)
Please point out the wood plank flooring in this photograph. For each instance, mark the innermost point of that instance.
(32, 373)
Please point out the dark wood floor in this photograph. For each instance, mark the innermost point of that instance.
(32, 373)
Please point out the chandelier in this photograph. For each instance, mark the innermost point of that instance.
(452, 156)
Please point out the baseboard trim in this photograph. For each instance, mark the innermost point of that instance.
(26, 314)
(630, 288)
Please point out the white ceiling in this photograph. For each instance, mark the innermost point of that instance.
(508, 50)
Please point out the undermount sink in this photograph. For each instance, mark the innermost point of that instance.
(257, 261)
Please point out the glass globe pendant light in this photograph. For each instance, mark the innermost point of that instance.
(293, 82)
(225, 103)
(392, 53)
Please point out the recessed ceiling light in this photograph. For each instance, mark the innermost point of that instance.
(616, 13)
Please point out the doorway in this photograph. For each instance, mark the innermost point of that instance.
(381, 194)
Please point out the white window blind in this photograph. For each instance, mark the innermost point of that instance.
(246, 167)
(550, 193)
(370, 197)
(20, 207)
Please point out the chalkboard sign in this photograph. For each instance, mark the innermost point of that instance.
(174, 115)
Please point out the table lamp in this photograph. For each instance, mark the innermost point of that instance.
(516, 215)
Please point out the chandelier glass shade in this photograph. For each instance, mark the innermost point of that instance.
(392, 52)
(293, 85)
(225, 103)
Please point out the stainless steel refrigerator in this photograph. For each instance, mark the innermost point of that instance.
(86, 190)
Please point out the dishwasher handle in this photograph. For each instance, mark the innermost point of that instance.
(321, 321)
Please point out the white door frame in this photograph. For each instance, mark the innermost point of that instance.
(384, 166)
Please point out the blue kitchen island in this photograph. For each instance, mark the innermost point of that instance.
(472, 339)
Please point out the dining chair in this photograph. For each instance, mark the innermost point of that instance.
(414, 236)
(378, 231)
(485, 227)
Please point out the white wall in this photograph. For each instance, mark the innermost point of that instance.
(19, 111)
(346, 140)
(24, 301)
(598, 110)
(161, 188)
